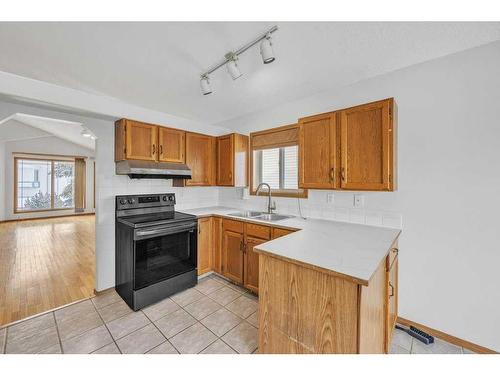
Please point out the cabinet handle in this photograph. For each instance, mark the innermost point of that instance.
(392, 289)
(332, 174)
(230, 176)
(154, 149)
(161, 149)
(395, 250)
(342, 173)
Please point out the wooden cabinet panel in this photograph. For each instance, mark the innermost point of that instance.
(232, 250)
(279, 232)
(217, 244)
(258, 231)
(225, 160)
(137, 140)
(171, 145)
(200, 156)
(366, 147)
(392, 302)
(318, 151)
(205, 243)
(251, 265)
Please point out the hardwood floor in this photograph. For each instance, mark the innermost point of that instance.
(44, 264)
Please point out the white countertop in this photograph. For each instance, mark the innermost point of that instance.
(353, 250)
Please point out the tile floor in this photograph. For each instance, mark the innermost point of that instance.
(215, 317)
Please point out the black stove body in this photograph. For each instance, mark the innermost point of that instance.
(156, 249)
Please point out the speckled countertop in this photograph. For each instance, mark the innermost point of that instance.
(353, 250)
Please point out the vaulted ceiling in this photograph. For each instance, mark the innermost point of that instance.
(157, 65)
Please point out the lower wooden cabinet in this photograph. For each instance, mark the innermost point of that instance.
(205, 245)
(392, 295)
(232, 250)
(280, 232)
(251, 264)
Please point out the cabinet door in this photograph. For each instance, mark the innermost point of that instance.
(392, 302)
(171, 145)
(204, 245)
(318, 152)
(232, 246)
(217, 241)
(251, 265)
(141, 141)
(225, 160)
(366, 147)
(200, 159)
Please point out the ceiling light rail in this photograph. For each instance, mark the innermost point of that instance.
(231, 59)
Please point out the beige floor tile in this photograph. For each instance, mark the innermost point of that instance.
(237, 288)
(106, 298)
(243, 338)
(160, 309)
(401, 339)
(54, 349)
(396, 349)
(88, 342)
(218, 347)
(69, 328)
(31, 326)
(127, 324)
(186, 297)
(208, 285)
(243, 306)
(108, 349)
(42, 339)
(224, 295)
(221, 321)
(75, 311)
(193, 340)
(438, 347)
(254, 319)
(141, 341)
(174, 323)
(114, 311)
(202, 308)
(165, 348)
(220, 279)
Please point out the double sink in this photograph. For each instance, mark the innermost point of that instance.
(260, 215)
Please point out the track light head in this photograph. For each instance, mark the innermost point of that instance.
(232, 66)
(205, 85)
(266, 50)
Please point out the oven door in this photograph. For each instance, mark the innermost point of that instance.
(163, 252)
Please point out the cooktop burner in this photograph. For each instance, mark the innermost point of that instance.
(145, 220)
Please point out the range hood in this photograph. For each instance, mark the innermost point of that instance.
(151, 169)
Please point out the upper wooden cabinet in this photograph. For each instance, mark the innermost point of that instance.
(136, 140)
(367, 147)
(318, 152)
(200, 158)
(232, 160)
(171, 145)
(350, 149)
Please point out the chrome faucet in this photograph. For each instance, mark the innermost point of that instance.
(270, 205)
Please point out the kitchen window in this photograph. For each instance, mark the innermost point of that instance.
(275, 161)
(43, 184)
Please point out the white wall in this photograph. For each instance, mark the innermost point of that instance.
(449, 157)
(44, 145)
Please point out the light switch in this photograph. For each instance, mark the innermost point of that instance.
(359, 201)
(330, 198)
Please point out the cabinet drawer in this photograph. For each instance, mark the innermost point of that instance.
(233, 226)
(259, 231)
(279, 232)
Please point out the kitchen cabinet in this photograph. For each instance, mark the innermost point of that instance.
(232, 250)
(205, 245)
(135, 140)
(251, 264)
(171, 145)
(217, 244)
(200, 158)
(318, 151)
(392, 294)
(367, 149)
(280, 232)
(232, 160)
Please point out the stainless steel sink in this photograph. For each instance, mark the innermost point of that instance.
(246, 214)
(272, 217)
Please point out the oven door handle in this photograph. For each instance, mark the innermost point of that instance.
(165, 230)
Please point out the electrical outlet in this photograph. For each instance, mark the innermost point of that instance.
(359, 201)
(329, 198)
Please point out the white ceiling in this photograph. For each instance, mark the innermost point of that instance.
(21, 126)
(157, 65)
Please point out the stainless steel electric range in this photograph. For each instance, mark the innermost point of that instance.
(156, 249)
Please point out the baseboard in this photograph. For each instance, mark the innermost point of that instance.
(446, 337)
(47, 217)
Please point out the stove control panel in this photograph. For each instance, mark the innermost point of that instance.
(143, 201)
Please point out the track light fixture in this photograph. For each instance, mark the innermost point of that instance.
(231, 59)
